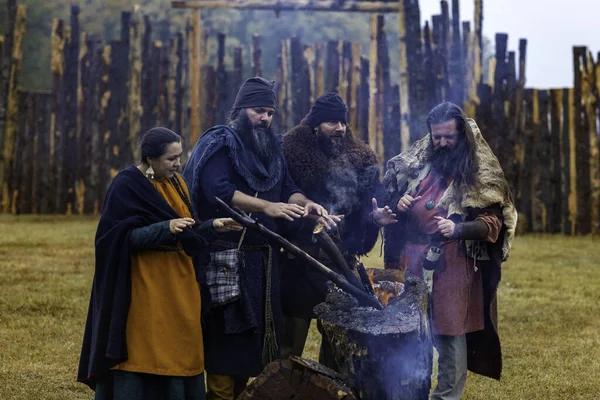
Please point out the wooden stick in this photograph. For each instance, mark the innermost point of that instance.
(339, 280)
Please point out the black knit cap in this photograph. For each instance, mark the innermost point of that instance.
(328, 107)
(256, 92)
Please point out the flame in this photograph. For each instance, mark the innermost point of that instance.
(387, 285)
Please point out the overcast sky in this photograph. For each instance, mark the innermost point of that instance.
(551, 27)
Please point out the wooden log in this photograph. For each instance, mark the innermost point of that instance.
(43, 191)
(238, 70)
(297, 378)
(300, 82)
(518, 119)
(124, 156)
(320, 73)
(591, 98)
(543, 191)
(595, 150)
(95, 192)
(114, 82)
(332, 68)
(430, 78)
(163, 83)
(565, 159)
(556, 223)
(472, 99)
(194, 68)
(186, 91)
(310, 59)
(256, 58)
(363, 101)
(573, 195)
(457, 69)
(354, 88)
(135, 109)
(5, 75)
(389, 141)
(24, 156)
(404, 84)
(478, 42)
(383, 354)
(381, 6)
(12, 100)
(285, 88)
(223, 90)
(499, 122)
(69, 161)
(148, 84)
(87, 123)
(373, 87)
(2, 92)
(210, 96)
(177, 65)
(19, 166)
(582, 137)
(444, 48)
(417, 95)
(102, 142)
(525, 183)
(171, 76)
(439, 61)
(345, 54)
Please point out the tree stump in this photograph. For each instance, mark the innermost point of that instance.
(297, 378)
(382, 354)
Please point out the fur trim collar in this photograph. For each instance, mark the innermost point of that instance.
(408, 169)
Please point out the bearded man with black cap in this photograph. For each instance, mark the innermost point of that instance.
(342, 173)
(455, 217)
(241, 163)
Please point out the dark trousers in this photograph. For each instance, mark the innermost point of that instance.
(293, 340)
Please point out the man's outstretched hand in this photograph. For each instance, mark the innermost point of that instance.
(383, 216)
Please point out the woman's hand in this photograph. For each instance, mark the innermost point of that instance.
(177, 225)
(222, 225)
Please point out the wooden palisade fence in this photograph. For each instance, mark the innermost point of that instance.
(61, 149)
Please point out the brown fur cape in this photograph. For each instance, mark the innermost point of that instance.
(339, 181)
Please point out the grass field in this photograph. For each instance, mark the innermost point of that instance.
(549, 308)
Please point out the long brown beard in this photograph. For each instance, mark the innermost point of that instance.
(259, 138)
(447, 161)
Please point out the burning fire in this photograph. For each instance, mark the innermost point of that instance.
(387, 284)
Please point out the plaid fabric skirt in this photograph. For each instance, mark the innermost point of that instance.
(125, 385)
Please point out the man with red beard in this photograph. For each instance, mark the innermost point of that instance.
(241, 163)
(340, 172)
(452, 200)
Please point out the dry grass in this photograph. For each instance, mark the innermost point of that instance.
(549, 307)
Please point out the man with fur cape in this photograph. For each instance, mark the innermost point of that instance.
(450, 193)
(341, 173)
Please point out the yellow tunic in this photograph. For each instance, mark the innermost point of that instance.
(164, 333)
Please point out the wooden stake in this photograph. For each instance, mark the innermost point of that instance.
(405, 116)
(12, 104)
(195, 78)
